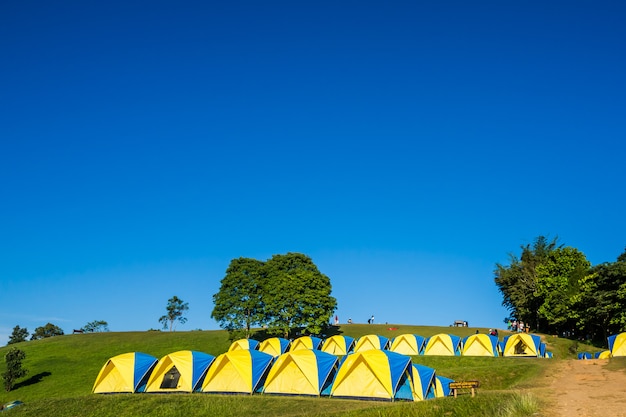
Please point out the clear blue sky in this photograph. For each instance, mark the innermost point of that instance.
(407, 147)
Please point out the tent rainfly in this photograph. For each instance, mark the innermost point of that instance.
(245, 344)
(408, 344)
(338, 345)
(127, 372)
(238, 372)
(523, 345)
(371, 341)
(617, 344)
(302, 372)
(375, 375)
(181, 371)
(443, 345)
(306, 342)
(274, 346)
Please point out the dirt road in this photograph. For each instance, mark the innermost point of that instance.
(585, 388)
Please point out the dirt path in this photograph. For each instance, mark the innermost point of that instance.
(585, 388)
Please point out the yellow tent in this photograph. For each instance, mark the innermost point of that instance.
(302, 372)
(181, 371)
(127, 372)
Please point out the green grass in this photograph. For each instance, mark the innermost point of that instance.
(62, 371)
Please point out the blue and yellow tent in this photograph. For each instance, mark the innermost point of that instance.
(376, 375)
(523, 345)
(584, 355)
(480, 345)
(181, 371)
(274, 346)
(127, 372)
(302, 372)
(605, 354)
(238, 372)
(442, 386)
(423, 379)
(408, 344)
(306, 342)
(371, 341)
(245, 344)
(617, 344)
(443, 345)
(338, 345)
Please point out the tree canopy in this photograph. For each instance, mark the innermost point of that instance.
(14, 369)
(18, 335)
(96, 326)
(238, 306)
(555, 289)
(175, 310)
(49, 330)
(285, 293)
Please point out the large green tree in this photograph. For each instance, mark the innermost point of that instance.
(559, 278)
(238, 306)
(296, 295)
(49, 330)
(601, 303)
(18, 335)
(519, 284)
(175, 312)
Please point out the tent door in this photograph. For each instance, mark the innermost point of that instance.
(170, 379)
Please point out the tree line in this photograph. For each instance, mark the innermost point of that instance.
(20, 334)
(285, 294)
(554, 289)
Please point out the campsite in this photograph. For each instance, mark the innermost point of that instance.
(63, 369)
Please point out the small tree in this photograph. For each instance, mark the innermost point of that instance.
(175, 309)
(19, 335)
(48, 330)
(13, 358)
(96, 326)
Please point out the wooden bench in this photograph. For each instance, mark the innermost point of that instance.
(457, 385)
(459, 323)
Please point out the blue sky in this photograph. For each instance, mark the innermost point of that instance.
(406, 147)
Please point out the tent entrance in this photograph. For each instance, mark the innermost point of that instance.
(170, 379)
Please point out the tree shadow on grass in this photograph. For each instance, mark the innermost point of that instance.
(32, 380)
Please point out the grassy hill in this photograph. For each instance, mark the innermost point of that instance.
(62, 371)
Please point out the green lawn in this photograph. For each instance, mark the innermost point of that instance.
(62, 371)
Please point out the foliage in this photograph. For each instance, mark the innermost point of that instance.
(558, 280)
(96, 326)
(175, 310)
(14, 370)
(285, 293)
(556, 289)
(296, 295)
(49, 330)
(601, 303)
(518, 281)
(239, 303)
(19, 335)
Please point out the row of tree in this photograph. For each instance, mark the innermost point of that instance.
(554, 289)
(284, 294)
(20, 334)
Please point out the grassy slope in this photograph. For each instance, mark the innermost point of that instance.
(62, 371)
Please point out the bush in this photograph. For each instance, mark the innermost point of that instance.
(13, 358)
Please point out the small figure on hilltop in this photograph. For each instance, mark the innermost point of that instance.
(371, 320)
